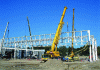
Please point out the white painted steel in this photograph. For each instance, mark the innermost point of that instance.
(78, 39)
(93, 49)
(96, 49)
(90, 45)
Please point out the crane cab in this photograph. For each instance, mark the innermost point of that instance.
(45, 57)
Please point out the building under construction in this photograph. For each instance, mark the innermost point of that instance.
(23, 47)
(17, 47)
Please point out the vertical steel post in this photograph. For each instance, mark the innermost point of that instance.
(93, 49)
(44, 39)
(15, 52)
(26, 46)
(35, 40)
(22, 40)
(39, 39)
(96, 49)
(90, 53)
(90, 45)
(81, 37)
(18, 43)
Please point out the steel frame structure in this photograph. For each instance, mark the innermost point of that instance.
(22, 43)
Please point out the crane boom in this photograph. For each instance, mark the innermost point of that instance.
(4, 37)
(29, 26)
(72, 54)
(53, 52)
(58, 32)
(30, 32)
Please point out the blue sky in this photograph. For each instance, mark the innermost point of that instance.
(44, 16)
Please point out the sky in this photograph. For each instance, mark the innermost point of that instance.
(44, 16)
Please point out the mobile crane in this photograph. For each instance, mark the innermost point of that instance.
(30, 36)
(75, 58)
(53, 53)
(71, 57)
(3, 39)
(72, 54)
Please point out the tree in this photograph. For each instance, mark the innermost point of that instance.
(98, 50)
(46, 48)
(69, 50)
(28, 47)
(62, 50)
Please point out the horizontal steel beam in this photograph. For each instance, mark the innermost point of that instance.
(22, 49)
(37, 40)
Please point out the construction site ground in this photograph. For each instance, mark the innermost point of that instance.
(51, 64)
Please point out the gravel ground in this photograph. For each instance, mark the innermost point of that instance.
(51, 64)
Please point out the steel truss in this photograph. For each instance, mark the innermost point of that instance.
(80, 38)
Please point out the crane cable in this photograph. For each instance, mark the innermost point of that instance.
(82, 49)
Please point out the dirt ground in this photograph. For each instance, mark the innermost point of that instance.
(51, 64)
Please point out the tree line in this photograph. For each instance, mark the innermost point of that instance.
(63, 50)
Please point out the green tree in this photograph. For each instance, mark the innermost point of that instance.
(69, 50)
(28, 47)
(47, 48)
(98, 50)
(62, 50)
